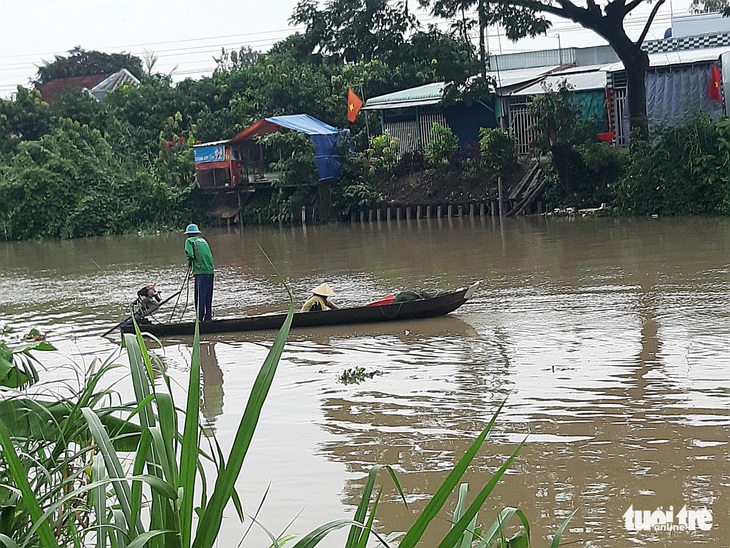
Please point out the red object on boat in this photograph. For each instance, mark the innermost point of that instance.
(607, 137)
(388, 299)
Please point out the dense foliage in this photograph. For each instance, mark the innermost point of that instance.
(684, 171)
(83, 168)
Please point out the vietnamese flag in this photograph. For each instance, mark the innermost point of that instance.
(714, 91)
(353, 105)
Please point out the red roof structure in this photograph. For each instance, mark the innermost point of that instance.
(58, 86)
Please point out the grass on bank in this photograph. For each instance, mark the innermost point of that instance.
(73, 474)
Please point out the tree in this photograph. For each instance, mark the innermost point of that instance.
(523, 21)
(607, 21)
(25, 117)
(709, 6)
(80, 62)
(356, 31)
(245, 57)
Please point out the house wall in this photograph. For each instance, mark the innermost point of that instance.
(466, 121)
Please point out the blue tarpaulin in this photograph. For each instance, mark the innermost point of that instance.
(325, 137)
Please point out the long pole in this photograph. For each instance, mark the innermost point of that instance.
(367, 124)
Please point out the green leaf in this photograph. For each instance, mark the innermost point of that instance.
(113, 466)
(458, 528)
(210, 523)
(559, 533)
(17, 470)
(415, 533)
(191, 446)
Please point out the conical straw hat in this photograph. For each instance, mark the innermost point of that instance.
(323, 290)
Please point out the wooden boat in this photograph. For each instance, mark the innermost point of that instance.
(438, 305)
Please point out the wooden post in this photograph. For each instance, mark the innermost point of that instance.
(471, 209)
(408, 212)
(481, 209)
(387, 213)
(499, 187)
(428, 212)
(448, 211)
(438, 211)
(418, 212)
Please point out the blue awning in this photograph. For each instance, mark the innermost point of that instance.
(324, 136)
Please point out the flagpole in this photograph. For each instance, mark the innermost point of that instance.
(367, 124)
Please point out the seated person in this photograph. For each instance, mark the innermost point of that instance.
(320, 299)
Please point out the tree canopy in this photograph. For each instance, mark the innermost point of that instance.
(80, 62)
(527, 17)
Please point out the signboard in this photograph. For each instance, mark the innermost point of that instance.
(214, 153)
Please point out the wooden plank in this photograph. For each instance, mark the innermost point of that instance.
(534, 195)
(521, 185)
(536, 181)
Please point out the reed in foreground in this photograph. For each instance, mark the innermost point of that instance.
(81, 476)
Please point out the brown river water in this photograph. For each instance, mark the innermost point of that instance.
(608, 340)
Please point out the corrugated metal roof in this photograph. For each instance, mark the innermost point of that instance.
(426, 94)
(578, 81)
(686, 57)
(511, 78)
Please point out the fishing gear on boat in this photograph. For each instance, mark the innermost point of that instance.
(148, 300)
(186, 280)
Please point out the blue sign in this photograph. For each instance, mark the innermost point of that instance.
(215, 153)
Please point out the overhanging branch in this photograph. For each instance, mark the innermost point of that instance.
(648, 21)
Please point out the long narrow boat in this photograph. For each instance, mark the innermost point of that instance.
(437, 305)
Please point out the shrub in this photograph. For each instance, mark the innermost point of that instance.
(497, 150)
(680, 173)
(441, 150)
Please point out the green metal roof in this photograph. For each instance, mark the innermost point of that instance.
(422, 95)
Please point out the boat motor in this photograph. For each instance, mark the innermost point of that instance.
(147, 301)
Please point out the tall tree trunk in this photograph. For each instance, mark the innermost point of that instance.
(636, 64)
(482, 40)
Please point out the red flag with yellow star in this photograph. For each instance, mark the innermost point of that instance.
(714, 91)
(353, 105)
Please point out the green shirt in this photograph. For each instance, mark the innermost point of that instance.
(199, 255)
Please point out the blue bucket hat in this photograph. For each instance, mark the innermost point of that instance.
(192, 229)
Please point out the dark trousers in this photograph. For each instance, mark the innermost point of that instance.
(204, 296)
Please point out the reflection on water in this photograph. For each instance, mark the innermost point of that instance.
(608, 340)
(211, 395)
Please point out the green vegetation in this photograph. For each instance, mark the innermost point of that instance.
(356, 375)
(72, 472)
(78, 168)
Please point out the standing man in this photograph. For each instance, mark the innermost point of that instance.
(200, 262)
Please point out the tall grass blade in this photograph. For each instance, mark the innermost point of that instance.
(353, 538)
(209, 524)
(414, 534)
(98, 495)
(365, 536)
(8, 542)
(190, 444)
(496, 529)
(559, 533)
(468, 535)
(140, 378)
(20, 478)
(458, 528)
(114, 468)
(311, 539)
(145, 538)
